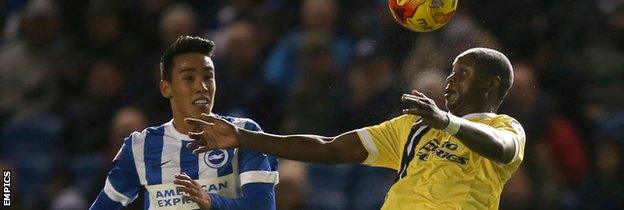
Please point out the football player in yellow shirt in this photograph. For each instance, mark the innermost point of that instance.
(456, 160)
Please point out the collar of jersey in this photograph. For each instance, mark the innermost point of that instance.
(478, 115)
(170, 129)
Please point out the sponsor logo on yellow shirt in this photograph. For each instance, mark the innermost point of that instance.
(445, 151)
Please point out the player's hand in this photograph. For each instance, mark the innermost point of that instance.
(212, 133)
(426, 109)
(193, 191)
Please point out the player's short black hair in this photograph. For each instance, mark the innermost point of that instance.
(183, 45)
(491, 62)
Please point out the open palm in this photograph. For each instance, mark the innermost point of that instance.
(426, 108)
(212, 133)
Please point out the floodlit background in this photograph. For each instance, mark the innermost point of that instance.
(76, 77)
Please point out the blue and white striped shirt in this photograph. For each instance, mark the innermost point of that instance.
(148, 160)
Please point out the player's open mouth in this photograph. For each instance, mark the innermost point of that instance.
(201, 102)
(448, 93)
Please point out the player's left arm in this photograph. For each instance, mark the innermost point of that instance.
(495, 143)
(498, 143)
(258, 177)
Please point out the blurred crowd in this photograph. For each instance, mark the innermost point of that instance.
(76, 77)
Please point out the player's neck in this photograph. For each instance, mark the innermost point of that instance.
(181, 126)
(463, 111)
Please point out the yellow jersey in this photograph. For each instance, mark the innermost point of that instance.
(435, 170)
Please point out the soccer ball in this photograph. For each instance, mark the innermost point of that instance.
(422, 15)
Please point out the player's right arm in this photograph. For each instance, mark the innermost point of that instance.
(218, 133)
(375, 145)
(122, 183)
(345, 148)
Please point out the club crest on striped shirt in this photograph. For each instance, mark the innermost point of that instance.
(216, 158)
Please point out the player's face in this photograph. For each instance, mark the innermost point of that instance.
(192, 85)
(463, 92)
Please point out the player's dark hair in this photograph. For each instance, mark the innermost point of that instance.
(491, 62)
(183, 45)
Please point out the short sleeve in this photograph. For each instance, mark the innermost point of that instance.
(122, 183)
(252, 126)
(257, 167)
(384, 141)
(514, 130)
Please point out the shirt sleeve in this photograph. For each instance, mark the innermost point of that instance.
(122, 183)
(513, 130)
(384, 141)
(255, 167)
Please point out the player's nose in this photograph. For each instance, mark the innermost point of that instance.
(450, 78)
(201, 86)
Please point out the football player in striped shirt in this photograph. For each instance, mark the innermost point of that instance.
(157, 162)
(456, 160)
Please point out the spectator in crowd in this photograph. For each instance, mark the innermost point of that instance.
(603, 188)
(241, 72)
(318, 18)
(31, 66)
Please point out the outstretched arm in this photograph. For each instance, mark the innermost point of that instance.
(492, 143)
(218, 133)
(345, 148)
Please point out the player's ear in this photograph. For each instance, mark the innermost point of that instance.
(165, 88)
(493, 83)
